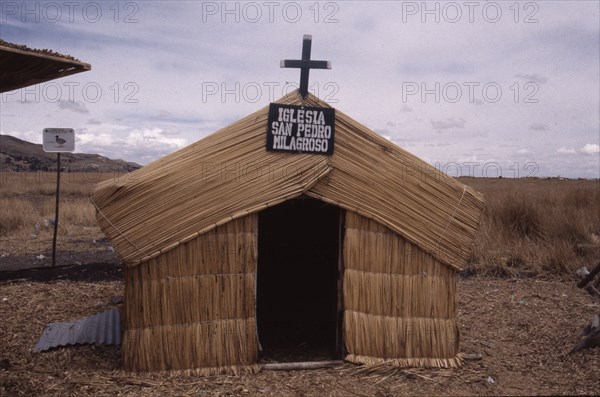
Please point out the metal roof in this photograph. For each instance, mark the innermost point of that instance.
(100, 329)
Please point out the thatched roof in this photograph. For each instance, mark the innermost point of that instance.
(230, 174)
(21, 66)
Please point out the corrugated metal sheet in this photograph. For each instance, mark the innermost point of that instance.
(100, 329)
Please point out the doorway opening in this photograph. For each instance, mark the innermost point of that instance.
(297, 281)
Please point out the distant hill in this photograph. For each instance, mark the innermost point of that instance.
(20, 155)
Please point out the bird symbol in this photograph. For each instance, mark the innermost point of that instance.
(60, 141)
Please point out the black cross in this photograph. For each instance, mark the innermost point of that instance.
(305, 64)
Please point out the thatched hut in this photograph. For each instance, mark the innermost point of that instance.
(228, 247)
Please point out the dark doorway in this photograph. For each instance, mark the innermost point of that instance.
(297, 281)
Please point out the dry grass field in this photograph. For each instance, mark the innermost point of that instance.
(518, 303)
(27, 199)
(530, 227)
(27, 204)
(536, 227)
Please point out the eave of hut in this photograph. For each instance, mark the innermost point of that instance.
(21, 66)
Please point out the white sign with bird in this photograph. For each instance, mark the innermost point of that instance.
(59, 140)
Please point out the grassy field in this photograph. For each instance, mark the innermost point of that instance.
(27, 201)
(529, 227)
(534, 226)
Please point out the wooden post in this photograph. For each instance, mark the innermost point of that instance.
(300, 365)
(56, 209)
(339, 332)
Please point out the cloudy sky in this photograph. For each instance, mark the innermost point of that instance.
(476, 87)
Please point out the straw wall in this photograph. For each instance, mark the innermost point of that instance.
(194, 306)
(399, 302)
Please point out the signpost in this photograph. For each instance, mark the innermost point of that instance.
(58, 140)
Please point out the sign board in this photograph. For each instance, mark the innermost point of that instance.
(300, 129)
(59, 140)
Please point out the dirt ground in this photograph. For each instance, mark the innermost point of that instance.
(523, 327)
(85, 245)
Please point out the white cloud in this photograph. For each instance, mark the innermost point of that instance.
(140, 145)
(590, 148)
(566, 150)
(154, 137)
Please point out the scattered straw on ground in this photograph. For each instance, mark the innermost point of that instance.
(524, 329)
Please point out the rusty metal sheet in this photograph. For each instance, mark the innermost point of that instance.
(100, 329)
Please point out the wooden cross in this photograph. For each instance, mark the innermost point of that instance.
(305, 64)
